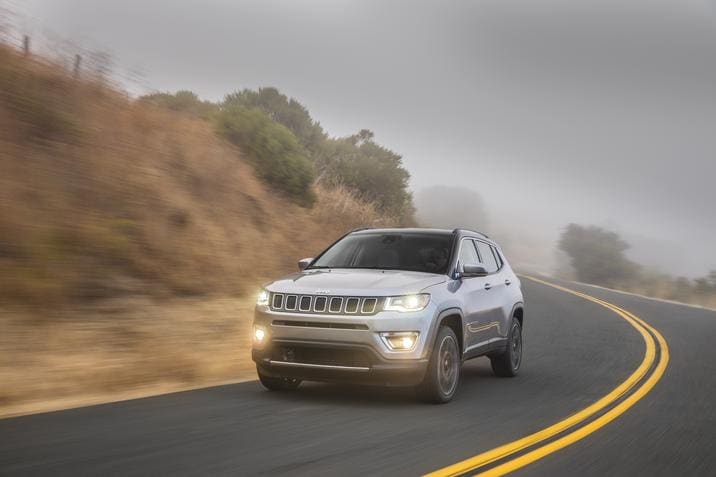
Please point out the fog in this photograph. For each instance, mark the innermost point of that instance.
(595, 112)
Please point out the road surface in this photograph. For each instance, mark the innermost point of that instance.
(577, 351)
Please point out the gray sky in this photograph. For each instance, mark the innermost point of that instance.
(595, 111)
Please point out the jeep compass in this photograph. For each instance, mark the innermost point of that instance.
(394, 307)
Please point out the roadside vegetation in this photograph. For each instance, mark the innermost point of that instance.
(134, 234)
(597, 256)
(290, 150)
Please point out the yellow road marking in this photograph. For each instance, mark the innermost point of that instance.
(532, 439)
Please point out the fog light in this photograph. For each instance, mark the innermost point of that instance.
(400, 340)
(259, 334)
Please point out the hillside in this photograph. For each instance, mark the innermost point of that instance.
(133, 238)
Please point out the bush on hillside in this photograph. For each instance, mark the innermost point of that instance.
(183, 102)
(355, 162)
(284, 110)
(273, 150)
(374, 172)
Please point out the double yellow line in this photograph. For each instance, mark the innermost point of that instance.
(580, 422)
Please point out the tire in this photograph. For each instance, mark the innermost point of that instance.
(507, 364)
(278, 384)
(443, 373)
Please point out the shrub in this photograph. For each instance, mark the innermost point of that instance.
(597, 255)
(372, 171)
(273, 150)
(284, 110)
(184, 102)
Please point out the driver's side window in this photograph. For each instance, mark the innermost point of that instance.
(468, 254)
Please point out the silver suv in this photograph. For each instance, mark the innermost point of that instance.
(391, 307)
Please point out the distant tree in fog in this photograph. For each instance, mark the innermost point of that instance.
(597, 255)
(450, 207)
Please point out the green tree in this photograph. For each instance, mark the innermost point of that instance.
(284, 110)
(184, 102)
(374, 172)
(597, 255)
(276, 154)
(356, 162)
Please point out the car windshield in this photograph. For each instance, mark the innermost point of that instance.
(419, 252)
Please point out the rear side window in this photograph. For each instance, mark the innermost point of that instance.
(500, 261)
(488, 258)
(468, 253)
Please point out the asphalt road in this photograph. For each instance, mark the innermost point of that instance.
(576, 351)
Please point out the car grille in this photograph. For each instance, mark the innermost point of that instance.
(325, 304)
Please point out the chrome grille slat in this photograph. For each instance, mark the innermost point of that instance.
(302, 299)
(352, 305)
(288, 299)
(322, 299)
(321, 304)
(333, 299)
(372, 303)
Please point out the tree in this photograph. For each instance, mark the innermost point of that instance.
(356, 162)
(374, 172)
(284, 110)
(597, 255)
(182, 101)
(276, 154)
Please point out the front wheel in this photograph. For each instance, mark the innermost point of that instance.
(278, 384)
(443, 373)
(507, 363)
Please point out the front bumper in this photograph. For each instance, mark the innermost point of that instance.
(369, 370)
(341, 348)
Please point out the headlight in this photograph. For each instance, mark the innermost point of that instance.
(407, 302)
(263, 298)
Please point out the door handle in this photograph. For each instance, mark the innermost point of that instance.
(508, 282)
(487, 286)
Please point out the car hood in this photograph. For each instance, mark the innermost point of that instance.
(355, 282)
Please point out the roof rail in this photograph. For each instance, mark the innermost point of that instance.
(358, 229)
(468, 230)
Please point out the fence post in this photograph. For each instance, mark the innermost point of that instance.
(26, 45)
(76, 69)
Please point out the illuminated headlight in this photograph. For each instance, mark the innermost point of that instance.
(259, 334)
(400, 340)
(407, 302)
(263, 298)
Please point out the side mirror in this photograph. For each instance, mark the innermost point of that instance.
(303, 263)
(473, 270)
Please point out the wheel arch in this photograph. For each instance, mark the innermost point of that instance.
(518, 311)
(453, 318)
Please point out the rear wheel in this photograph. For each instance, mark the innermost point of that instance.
(508, 362)
(443, 373)
(278, 384)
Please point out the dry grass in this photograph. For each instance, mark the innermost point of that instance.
(120, 346)
(128, 237)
